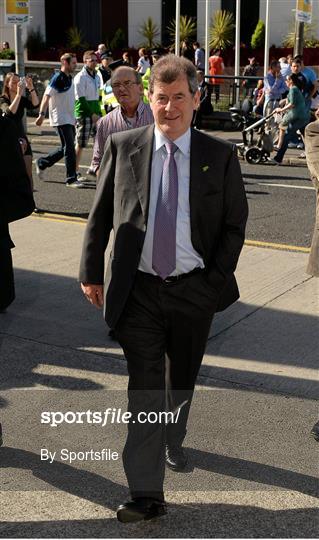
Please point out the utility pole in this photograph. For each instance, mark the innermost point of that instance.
(299, 38)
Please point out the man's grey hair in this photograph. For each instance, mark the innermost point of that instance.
(169, 68)
(137, 76)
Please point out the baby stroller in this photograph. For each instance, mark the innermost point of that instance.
(256, 151)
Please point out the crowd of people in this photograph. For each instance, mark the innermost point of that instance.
(290, 90)
(105, 97)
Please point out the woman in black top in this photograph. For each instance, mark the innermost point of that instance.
(13, 103)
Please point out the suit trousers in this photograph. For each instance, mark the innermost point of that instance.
(163, 331)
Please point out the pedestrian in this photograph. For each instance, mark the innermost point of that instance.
(310, 84)
(285, 66)
(103, 70)
(216, 67)
(59, 98)
(87, 106)
(307, 85)
(16, 201)
(127, 61)
(19, 95)
(143, 62)
(205, 100)
(132, 112)
(274, 87)
(250, 70)
(100, 50)
(187, 51)
(295, 119)
(5, 45)
(175, 200)
(312, 156)
(294, 106)
(259, 98)
(199, 59)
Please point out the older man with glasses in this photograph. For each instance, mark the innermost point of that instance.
(131, 113)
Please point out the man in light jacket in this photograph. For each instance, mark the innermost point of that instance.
(87, 108)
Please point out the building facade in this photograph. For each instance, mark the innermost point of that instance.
(99, 19)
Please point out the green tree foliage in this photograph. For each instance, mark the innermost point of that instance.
(149, 31)
(35, 41)
(7, 54)
(222, 29)
(258, 37)
(75, 39)
(119, 39)
(187, 29)
(310, 32)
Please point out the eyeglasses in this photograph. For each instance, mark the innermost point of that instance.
(125, 84)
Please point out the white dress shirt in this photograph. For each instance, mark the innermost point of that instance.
(187, 257)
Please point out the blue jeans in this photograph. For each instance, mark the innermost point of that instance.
(289, 136)
(67, 150)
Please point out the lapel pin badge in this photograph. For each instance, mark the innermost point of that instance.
(205, 168)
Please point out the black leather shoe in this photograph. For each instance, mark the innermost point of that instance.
(141, 509)
(175, 458)
(315, 431)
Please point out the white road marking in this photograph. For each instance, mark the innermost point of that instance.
(290, 186)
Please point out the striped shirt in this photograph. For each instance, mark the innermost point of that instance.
(117, 121)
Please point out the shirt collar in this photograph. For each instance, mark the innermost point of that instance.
(183, 142)
(139, 110)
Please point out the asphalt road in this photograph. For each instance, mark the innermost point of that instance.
(281, 199)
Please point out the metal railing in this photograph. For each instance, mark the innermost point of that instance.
(231, 90)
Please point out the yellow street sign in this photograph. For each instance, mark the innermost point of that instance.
(16, 11)
(304, 11)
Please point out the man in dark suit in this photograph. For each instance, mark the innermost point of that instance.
(175, 200)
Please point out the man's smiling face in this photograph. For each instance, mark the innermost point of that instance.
(173, 105)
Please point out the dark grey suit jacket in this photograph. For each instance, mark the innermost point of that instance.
(218, 212)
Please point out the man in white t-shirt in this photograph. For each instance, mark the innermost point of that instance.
(59, 97)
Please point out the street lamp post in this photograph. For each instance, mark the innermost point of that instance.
(206, 36)
(237, 50)
(19, 53)
(267, 30)
(177, 31)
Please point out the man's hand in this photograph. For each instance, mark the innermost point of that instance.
(39, 120)
(94, 293)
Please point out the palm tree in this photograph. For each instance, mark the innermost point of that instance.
(222, 29)
(187, 28)
(149, 30)
(75, 38)
(310, 39)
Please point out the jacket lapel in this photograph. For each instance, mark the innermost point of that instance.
(141, 163)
